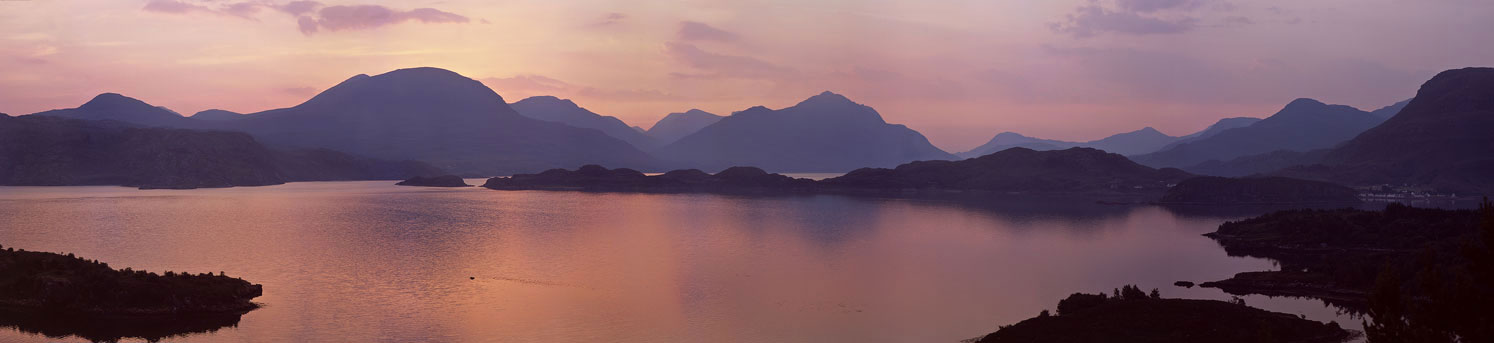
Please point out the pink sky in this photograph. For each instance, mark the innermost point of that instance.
(958, 71)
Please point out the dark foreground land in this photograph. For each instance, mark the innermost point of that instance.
(1422, 275)
(1337, 255)
(1133, 316)
(62, 295)
(55, 283)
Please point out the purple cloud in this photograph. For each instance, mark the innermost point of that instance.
(719, 65)
(359, 17)
(307, 25)
(244, 10)
(697, 31)
(298, 8)
(1089, 21)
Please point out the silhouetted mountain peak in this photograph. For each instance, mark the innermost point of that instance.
(217, 114)
(824, 133)
(1150, 131)
(440, 116)
(1304, 104)
(1009, 134)
(1308, 109)
(1458, 90)
(680, 124)
(549, 99)
(412, 91)
(753, 110)
(828, 98)
(117, 102)
(421, 73)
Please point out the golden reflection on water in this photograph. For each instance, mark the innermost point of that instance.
(368, 261)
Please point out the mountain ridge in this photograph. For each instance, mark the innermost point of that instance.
(824, 133)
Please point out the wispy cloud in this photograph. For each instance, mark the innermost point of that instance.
(311, 16)
(698, 31)
(1143, 17)
(360, 17)
(714, 65)
(1092, 20)
(608, 20)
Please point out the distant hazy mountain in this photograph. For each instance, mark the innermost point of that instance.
(111, 106)
(45, 151)
(1218, 126)
(825, 133)
(436, 116)
(1390, 111)
(50, 151)
(42, 151)
(680, 124)
(1303, 125)
(217, 114)
(1441, 139)
(1130, 143)
(1020, 169)
(564, 111)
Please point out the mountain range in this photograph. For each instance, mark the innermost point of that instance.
(564, 111)
(457, 124)
(1137, 142)
(1441, 139)
(1130, 143)
(824, 133)
(1303, 125)
(461, 126)
(425, 114)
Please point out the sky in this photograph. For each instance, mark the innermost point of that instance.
(959, 71)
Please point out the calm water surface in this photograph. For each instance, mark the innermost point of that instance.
(369, 261)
